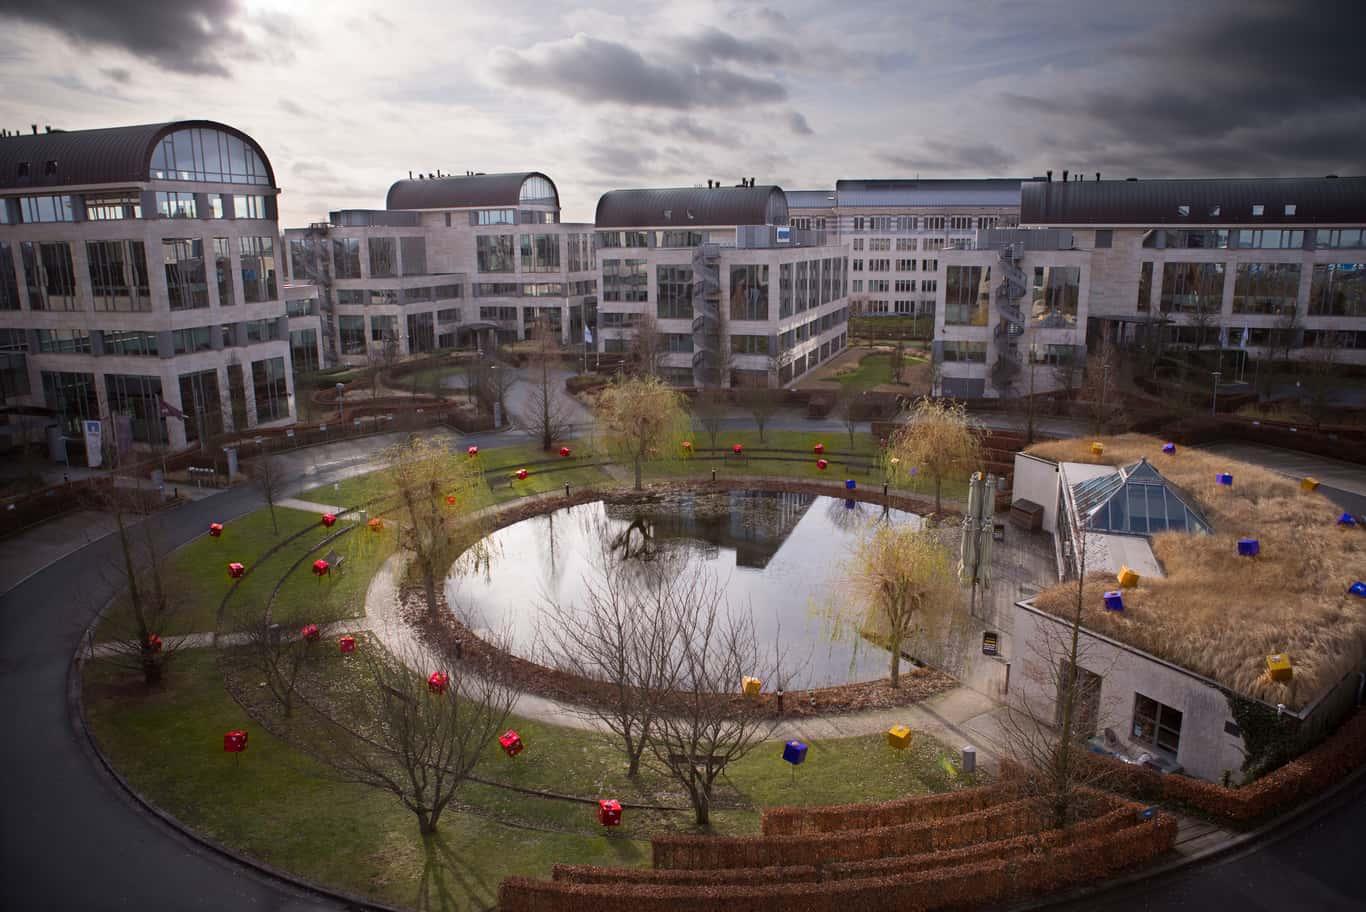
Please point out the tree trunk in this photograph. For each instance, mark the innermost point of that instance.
(938, 490)
(895, 672)
(429, 584)
(637, 464)
(702, 807)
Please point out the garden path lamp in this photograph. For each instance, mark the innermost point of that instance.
(974, 550)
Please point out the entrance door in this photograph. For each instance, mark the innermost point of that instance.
(1086, 703)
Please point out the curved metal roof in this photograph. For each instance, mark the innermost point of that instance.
(464, 191)
(692, 206)
(113, 155)
(1223, 201)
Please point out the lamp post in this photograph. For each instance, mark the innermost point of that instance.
(1214, 392)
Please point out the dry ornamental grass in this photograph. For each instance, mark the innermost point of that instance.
(1221, 615)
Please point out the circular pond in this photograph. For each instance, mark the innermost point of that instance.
(779, 555)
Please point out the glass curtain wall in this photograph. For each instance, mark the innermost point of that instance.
(186, 285)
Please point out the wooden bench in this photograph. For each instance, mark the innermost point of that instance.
(335, 561)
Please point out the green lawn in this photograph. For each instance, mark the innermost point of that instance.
(873, 370)
(280, 805)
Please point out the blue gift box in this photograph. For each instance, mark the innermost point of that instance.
(1224, 478)
(794, 752)
(1249, 547)
(850, 484)
(1358, 588)
(1169, 448)
(1347, 519)
(1114, 600)
(849, 505)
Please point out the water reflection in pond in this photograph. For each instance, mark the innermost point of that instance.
(780, 555)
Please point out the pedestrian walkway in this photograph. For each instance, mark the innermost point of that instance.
(310, 506)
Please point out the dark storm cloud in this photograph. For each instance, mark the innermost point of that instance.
(945, 157)
(712, 44)
(592, 70)
(178, 36)
(796, 122)
(1261, 87)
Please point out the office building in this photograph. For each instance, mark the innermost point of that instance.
(738, 296)
(138, 266)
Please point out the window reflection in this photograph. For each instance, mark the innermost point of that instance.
(204, 154)
(1055, 294)
(967, 295)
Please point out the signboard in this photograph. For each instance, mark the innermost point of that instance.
(783, 234)
(990, 644)
(94, 443)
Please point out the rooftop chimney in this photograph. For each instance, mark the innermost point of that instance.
(35, 129)
(47, 128)
(410, 174)
(1064, 175)
(1097, 177)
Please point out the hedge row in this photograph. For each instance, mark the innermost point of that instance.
(795, 821)
(941, 887)
(692, 852)
(1307, 775)
(569, 873)
(1123, 817)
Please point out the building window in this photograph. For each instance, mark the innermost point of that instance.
(414, 255)
(246, 207)
(498, 313)
(1335, 238)
(118, 275)
(258, 269)
(49, 276)
(73, 397)
(63, 341)
(1104, 238)
(216, 206)
(965, 352)
(1289, 208)
(677, 342)
(352, 332)
(493, 217)
(674, 287)
(448, 315)
(176, 205)
(201, 405)
(1055, 294)
(193, 339)
(1145, 286)
(37, 209)
(135, 398)
(1338, 290)
(383, 329)
(749, 292)
(1156, 725)
(222, 257)
(494, 253)
(750, 345)
(113, 206)
(784, 291)
(204, 154)
(1183, 211)
(303, 350)
(1266, 288)
(1193, 287)
(383, 257)
(1270, 239)
(540, 253)
(346, 257)
(625, 280)
(967, 295)
(272, 392)
(186, 285)
(9, 282)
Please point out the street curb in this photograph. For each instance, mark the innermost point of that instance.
(1244, 843)
(274, 876)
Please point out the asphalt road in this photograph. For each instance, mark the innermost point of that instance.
(71, 839)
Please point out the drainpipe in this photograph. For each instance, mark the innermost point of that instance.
(1361, 685)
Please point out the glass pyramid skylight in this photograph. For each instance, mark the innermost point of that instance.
(1136, 500)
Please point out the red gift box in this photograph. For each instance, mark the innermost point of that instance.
(235, 570)
(818, 449)
(376, 525)
(153, 643)
(473, 451)
(310, 632)
(450, 500)
(609, 812)
(347, 644)
(235, 741)
(321, 567)
(215, 530)
(822, 464)
(737, 449)
(521, 474)
(329, 519)
(438, 682)
(511, 742)
(564, 451)
(687, 444)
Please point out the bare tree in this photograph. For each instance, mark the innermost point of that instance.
(270, 483)
(762, 404)
(1100, 384)
(1320, 369)
(1048, 741)
(896, 362)
(496, 378)
(900, 579)
(707, 725)
(148, 604)
(641, 419)
(278, 656)
(709, 410)
(546, 414)
(849, 409)
(390, 728)
(625, 634)
(646, 354)
(437, 496)
(939, 441)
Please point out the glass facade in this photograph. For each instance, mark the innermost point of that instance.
(1192, 287)
(536, 188)
(540, 252)
(749, 292)
(1145, 286)
(1270, 239)
(967, 295)
(73, 397)
(222, 258)
(1338, 290)
(625, 280)
(36, 209)
(63, 341)
(784, 291)
(383, 258)
(1056, 291)
(346, 258)
(49, 276)
(186, 284)
(113, 206)
(247, 207)
(494, 253)
(9, 281)
(135, 398)
(176, 205)
(414, 255)
(272, 391)
(205, 154)
(130, 342)
(673, 285)
(968, 352)
(258, 269)
(202, 407)
(351, 329)
(118, 275)
(1266, 288)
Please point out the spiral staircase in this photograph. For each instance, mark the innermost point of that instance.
(706, 322)
(1010, 320)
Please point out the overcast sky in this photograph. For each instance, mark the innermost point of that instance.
(347, 97)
